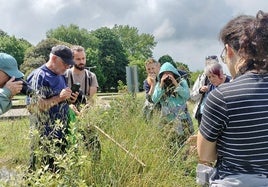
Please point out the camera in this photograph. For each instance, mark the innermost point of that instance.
(167, 82)
(75, 87)
(26, 89)
(81, 99)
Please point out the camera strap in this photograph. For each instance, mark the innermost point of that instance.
(70, 74)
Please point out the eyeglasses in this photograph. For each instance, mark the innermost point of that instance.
(223, 55)
(212, 57)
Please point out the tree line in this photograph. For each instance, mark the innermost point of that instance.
(109, 50)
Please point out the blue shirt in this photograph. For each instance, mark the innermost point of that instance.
(49, 84)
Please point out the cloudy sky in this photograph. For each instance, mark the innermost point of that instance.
(187, 30)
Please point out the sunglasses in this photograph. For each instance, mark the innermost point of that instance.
(212, 57)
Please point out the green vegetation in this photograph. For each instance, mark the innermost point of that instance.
(110, 50)
(126, 129)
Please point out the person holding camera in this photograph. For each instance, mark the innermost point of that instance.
(233, 130)
(80, 75)
(172, 92)
(81, 78)
(9, 87)
(49, 107)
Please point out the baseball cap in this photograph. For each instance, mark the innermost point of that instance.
(64, 53)
(9, 65)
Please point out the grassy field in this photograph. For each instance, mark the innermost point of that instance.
(133, 152)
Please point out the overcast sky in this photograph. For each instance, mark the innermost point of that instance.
(187, 30)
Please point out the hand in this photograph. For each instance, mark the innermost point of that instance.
(168, 76)
(163, 78)
(151, 79)
(74, 97)
(203, 89)
(73, 107)
(65, 93)
(14, 86)
(174, 81)
(192, 140)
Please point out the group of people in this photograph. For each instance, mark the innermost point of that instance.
(167, 92)
(211, 78)
(231, 112)
(53, 100)
(233, 132)
(50, 108)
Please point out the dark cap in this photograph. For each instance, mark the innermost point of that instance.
(64, 53)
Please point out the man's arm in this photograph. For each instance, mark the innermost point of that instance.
(93, 88)
(45, 104)
(5, 101)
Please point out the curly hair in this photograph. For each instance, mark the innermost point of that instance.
(248, 36)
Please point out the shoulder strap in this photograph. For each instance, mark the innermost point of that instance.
(85, 91)
(89, 77)
(69, 73)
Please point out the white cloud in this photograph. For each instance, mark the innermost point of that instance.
(47, 7)
(165, 30)
(187, 30)
(247, 6)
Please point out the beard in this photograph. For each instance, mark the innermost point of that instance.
(79, 66)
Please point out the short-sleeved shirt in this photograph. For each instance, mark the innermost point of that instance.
(88, 79)
(236, 117)
(49, 84)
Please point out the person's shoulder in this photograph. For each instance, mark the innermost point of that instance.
(145, 82)
(90, 74)
(37, 74)
(38, 70)
(68, 72)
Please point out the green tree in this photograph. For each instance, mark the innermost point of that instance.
(112, 59)
(182, 66)
(13, 46)
(3, 33)
(166, 58)
(74, 35)
(38, 55)
(137, 46)
(194, 76)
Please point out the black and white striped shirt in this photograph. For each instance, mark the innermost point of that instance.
(236, 116)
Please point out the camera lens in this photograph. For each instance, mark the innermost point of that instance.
(26, 89)
(168, 82)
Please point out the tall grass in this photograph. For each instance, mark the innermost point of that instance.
(127, 143)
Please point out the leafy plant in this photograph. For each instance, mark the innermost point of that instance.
(133, 152)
